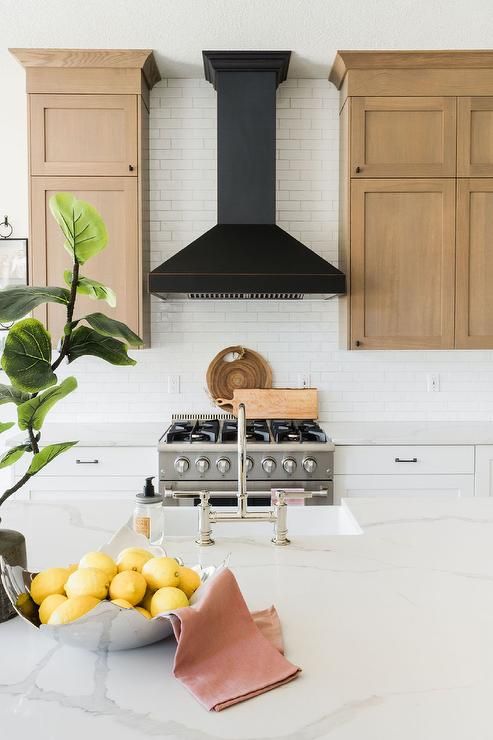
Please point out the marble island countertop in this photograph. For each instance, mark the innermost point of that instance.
(393, 630)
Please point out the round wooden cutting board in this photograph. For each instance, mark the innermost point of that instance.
(247, 369)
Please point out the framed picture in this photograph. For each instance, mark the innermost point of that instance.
(13, 262)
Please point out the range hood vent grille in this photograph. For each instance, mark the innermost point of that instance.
(248, 296)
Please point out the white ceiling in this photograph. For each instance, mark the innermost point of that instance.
(313, 29)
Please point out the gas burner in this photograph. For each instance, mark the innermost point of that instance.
(256, 431)
(287, 430)
(193, 431)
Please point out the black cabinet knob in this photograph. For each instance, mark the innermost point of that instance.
(130, 168)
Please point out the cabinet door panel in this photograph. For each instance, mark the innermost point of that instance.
(403, 137)
(484, 471)
(475, 137)
(83, 134)
(474, 303)
(116, 266)
(454, 486)
(402, 264)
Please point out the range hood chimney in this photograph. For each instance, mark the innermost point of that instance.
(246, 255)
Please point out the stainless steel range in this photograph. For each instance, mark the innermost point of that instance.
(199, 453)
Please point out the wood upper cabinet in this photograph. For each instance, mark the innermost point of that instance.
(83, 134)
(475, 137)
(88, 134)
(117, 266)
(474, 302)
(402, 263)
(403, 137)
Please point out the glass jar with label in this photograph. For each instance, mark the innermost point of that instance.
(149, 513)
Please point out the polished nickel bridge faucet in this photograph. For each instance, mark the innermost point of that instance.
(277, 515)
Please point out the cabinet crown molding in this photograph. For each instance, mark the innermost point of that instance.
(142, 59)
(347, 60)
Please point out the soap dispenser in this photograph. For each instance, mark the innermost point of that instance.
(149, 514)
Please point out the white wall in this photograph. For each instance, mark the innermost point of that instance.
(295, 337)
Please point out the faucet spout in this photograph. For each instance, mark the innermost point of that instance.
(242, 461)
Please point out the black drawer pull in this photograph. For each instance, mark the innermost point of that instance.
(409, 460)
(86, 462)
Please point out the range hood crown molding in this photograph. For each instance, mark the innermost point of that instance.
(246, 61)
(246, 255)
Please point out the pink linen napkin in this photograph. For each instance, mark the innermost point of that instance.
(226, 655)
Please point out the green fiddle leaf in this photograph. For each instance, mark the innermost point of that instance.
(4, 425)
(33, 412)
(46, 455)
(85, 341)
(92, 289)
(82, 226)
(112, 328)
(16, 302)
(27, 356)
(14, 454)
(9, 394)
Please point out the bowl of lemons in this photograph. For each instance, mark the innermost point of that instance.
(116, 598)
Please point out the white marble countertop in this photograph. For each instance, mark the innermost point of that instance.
(143, 434)
(393, 630)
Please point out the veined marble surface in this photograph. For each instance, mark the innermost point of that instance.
(342, 433)
(393, 630)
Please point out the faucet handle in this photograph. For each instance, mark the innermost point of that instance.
(283, 495)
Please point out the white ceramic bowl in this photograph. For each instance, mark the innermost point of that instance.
(107, 627)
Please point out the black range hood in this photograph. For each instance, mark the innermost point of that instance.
(246, 255)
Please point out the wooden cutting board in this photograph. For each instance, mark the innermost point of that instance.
(274, 403)
(247, 369)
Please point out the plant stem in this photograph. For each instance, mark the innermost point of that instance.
(14, 488)
(70, 314)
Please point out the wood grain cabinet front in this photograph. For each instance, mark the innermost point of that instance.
(402, 263)
(475, 137)
(83, 135)
(403, 137)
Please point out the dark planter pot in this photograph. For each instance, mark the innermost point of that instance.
(13, 549)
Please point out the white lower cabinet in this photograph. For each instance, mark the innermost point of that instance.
(389, 470)
(92, 472)
(484, 470)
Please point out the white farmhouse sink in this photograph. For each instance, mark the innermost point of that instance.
(303, 521)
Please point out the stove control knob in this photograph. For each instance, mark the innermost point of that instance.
(309, 464)
(249, 464)
(268, 465)
(223, 465)
(202, 465)
(289, 465)
(181, 465)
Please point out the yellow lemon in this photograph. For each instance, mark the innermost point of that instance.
(87, 582)
(189, 580)
(146, 601)
(72, 609)
(72, 567)
(166, 599)
(50, 581)
(121, 602)
(143, 611)
(133, 558)
(128, 585)
(49, 605)
(161, 572)
(99, 560)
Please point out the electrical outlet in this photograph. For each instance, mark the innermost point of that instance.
(304, 380)
(173, 384)
(433, 383)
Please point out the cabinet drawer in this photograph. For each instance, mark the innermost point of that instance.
(454, 486)
(403, 137)
(404, 459)
(88, 462)
(83, 134)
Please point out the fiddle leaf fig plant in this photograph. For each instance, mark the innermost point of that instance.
(28, 359)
